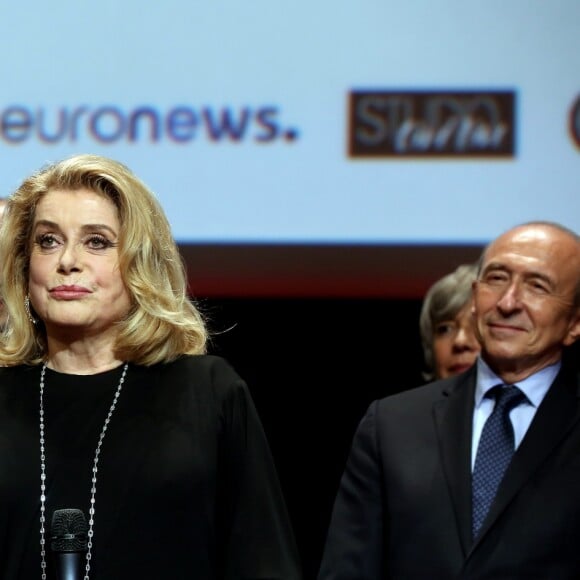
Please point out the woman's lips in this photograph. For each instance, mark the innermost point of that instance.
(459, 368)
(69, 292)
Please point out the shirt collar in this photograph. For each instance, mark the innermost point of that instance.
(534, 387)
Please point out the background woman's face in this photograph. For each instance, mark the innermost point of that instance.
(75, 283)
(455, 346)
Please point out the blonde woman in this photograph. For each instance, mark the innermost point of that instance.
(109, 404)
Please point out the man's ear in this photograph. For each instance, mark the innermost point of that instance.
(573, 330)
(473, 290)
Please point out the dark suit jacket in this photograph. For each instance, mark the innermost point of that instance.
(403, 509)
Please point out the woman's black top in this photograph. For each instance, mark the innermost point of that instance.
(186, 485)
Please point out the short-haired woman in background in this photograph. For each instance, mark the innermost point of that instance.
(447, 334)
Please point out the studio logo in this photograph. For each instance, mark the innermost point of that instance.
(431, 124)
(575, 121)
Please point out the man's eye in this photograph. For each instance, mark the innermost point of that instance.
(538, 287)
(495, 278)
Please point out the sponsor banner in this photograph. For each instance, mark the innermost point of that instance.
(431, 123)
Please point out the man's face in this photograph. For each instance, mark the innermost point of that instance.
(524, 300)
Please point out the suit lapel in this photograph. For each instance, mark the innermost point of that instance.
(557, 414)
(453, 420)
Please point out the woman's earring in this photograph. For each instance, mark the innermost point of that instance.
(27, 308)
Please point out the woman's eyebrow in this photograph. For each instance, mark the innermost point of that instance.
(84, 228)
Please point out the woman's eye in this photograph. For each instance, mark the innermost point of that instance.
(444, 328)
(98, 242)
(46, 241)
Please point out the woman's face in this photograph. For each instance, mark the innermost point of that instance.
(75, 284)
(455, 347)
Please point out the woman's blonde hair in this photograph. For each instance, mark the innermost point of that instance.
(163, 322)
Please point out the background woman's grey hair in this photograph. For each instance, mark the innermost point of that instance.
(444, 299)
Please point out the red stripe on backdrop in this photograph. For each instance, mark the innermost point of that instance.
(302, 271)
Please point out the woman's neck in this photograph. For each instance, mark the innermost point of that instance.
(81, 365)
(80, 360)
(81, 357)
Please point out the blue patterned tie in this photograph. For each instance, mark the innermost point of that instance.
(494, 452)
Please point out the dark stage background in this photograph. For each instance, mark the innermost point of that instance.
(313, 365)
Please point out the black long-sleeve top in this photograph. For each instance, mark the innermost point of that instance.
(186, 485)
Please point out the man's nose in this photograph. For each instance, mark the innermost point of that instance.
(510, 299)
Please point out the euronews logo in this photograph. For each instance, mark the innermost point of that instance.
(110, 124)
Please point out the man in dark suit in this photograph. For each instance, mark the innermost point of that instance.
(411, 502)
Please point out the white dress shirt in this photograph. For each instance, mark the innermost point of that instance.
(534, 387)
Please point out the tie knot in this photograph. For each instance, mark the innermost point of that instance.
(507, 398)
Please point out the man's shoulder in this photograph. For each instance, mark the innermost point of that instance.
(429, 393)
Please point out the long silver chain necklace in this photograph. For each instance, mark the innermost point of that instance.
(93, 479)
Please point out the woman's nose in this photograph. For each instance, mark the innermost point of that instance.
(68, 260)
(465, 339)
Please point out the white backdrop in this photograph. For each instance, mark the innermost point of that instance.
(74, 73)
